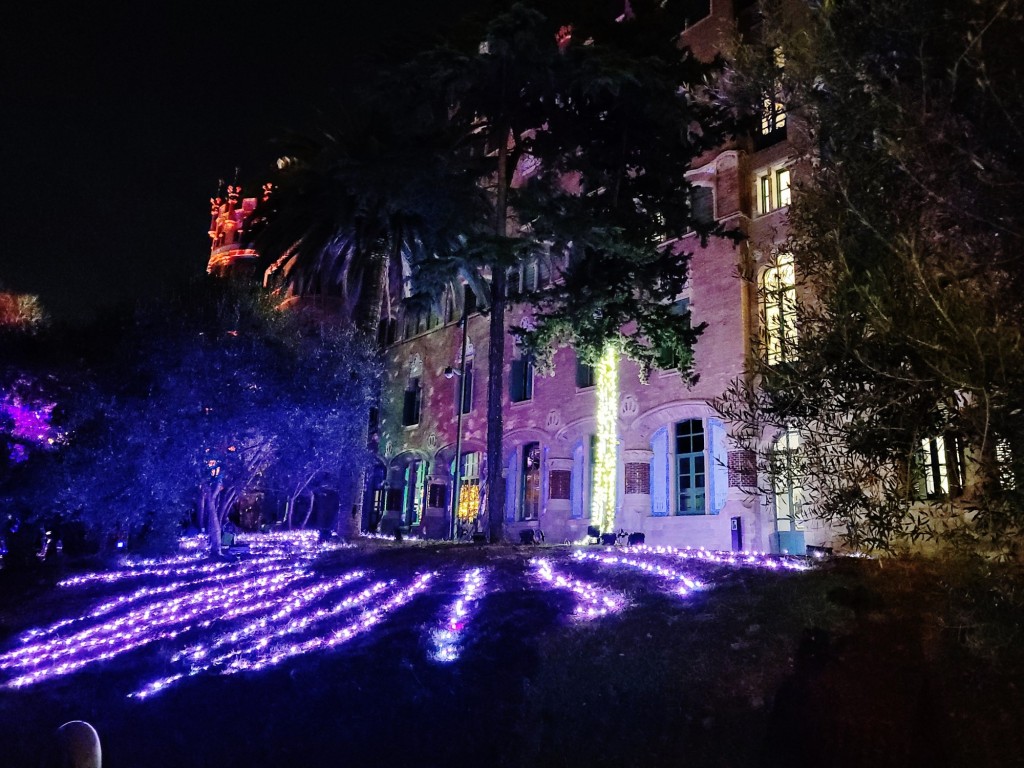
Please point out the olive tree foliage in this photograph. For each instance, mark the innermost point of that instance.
(199, 399)
(906, 231)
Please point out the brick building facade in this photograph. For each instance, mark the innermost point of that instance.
(680, 479)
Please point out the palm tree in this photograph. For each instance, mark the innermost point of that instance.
(374, 211)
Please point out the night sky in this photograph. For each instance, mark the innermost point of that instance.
(116, 125)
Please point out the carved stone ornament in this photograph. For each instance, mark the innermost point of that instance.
(415, 366)
(629, 406)
(554, 419)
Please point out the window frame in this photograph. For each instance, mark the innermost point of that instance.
(585, 375)
(940, 466)
(779, 332)
(773, 189)
(412, 410)
(785, 450)
(520, 383)
(697, 469)
(528, 475)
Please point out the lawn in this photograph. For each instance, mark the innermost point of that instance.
(426, 654)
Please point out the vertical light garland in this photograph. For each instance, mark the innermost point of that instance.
(602, 502)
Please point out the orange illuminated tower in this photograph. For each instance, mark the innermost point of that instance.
(229, 254)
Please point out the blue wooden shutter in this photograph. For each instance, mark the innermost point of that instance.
(661, 466)
(511, 486)
(718, 453)
(577, 481)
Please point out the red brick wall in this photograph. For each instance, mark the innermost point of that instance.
(638, 477)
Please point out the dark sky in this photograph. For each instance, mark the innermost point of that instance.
(115, 125)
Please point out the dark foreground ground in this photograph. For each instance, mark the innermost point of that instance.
(849, 664)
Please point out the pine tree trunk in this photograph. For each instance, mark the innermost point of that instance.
(495, 421)
(496, 354)
(350, 526)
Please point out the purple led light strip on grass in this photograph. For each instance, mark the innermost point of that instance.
(592, 601)
(445, 639)
(293, 602)
(685, 584)
(753, 559)
(243, 570)
(238, 659)
(367, 619)
(142, 626)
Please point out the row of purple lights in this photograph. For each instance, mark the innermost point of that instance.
(369, 618)
(282, 602)
(269, 631)
(751, 559)
(142, 626)
(242, 570)
(264, 548)
(446, 640)
(684, 584)
(592, 601)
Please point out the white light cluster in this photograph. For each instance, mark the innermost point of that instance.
(387, 537)
(446, 639)
(684, 583)
(592, 601)
(191, 543)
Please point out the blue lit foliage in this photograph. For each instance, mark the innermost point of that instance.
(202, 397)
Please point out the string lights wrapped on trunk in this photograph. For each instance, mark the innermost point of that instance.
(602, 505)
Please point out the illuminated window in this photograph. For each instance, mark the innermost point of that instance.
(778, 286)
(1004, 462)
(690, 468)
(469, 489)
(520, 380)
(773, 190)
(786, 491)
(530, 483)
(940, 464)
